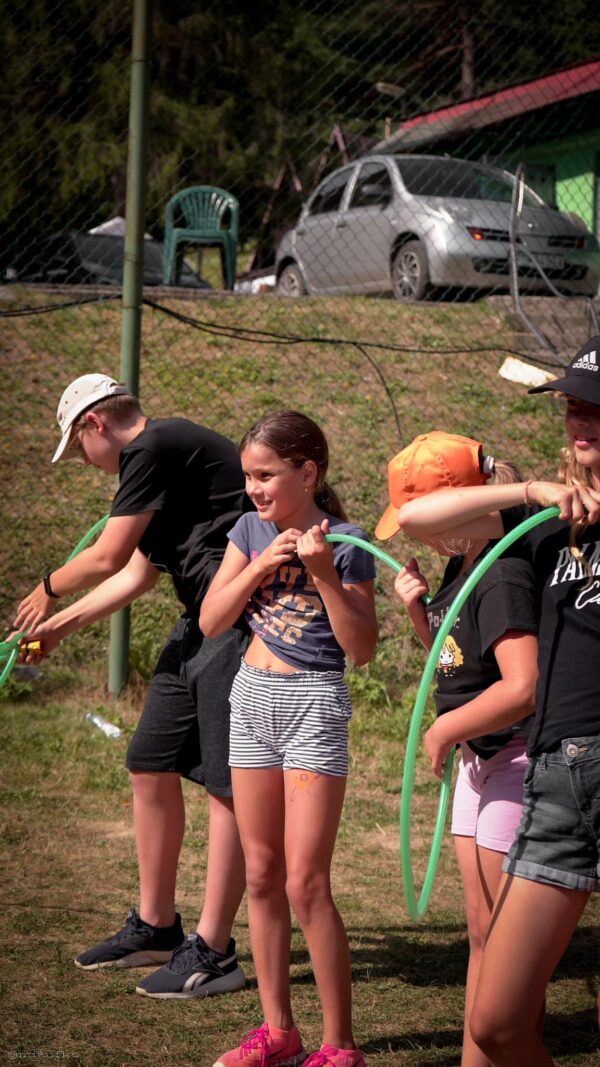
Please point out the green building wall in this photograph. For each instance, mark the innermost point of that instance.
(573, 169)
(576, 186)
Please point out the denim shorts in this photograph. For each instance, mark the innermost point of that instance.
(558, 840)
(184, 726)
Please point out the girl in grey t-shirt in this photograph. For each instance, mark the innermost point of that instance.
(309, 605)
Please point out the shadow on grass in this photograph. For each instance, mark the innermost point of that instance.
(402, 953)
(564, 1035)
(577, 1032)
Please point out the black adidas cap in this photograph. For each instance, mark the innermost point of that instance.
(582, 377)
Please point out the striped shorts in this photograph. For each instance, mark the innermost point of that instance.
(292, 721)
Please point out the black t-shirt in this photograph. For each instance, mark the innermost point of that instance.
(191, 477)
(503, 600)
(568, 692)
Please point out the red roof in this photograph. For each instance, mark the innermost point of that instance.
(494, 107)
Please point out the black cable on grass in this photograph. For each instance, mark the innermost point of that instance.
(385, 386)
(44, 309)
(270, 337)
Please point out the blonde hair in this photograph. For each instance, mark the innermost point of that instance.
(506, 473)
(572, 473)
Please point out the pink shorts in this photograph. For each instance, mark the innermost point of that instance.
(488, 798)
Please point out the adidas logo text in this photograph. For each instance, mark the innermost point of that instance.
(587, 362)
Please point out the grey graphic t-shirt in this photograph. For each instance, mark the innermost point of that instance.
(286, 610)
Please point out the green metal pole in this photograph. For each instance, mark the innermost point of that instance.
(133, 273)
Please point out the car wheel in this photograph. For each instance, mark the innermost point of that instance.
(291, 282)
(410, 273)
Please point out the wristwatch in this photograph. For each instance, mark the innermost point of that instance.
(48, 588)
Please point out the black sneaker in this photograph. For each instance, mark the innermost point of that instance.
(195, 970)
(138, 944)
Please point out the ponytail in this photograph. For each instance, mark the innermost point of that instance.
(327, 499)
(505, 473)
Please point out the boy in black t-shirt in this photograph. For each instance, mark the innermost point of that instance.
(181, 489)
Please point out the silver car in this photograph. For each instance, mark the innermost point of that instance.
(407, 224)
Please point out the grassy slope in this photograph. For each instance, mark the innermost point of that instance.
(228, 383)
(69, 864)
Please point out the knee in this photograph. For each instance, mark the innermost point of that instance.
(154, 786)
(477, 936)
(307, 892)
(495, 1036)
(481, 1030)
(265, 876)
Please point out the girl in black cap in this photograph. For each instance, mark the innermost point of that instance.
(554, 864)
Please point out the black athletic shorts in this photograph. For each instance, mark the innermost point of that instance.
(184, 726)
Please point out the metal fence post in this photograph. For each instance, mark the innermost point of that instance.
(133, 273)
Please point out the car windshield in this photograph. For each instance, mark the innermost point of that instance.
(461, 181)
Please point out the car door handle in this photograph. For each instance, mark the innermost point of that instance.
(340, 225)
(300, 229)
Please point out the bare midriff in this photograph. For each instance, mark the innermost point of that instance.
(259, 655)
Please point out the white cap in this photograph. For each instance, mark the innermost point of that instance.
(81, 394)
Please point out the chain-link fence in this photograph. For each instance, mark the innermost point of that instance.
(383, 259)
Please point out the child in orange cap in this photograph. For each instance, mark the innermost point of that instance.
(486, 676)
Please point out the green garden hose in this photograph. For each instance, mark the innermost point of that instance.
(89, 536)
(347, 539)
(9, 650)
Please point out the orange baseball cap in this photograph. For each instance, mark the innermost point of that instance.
(432, 461)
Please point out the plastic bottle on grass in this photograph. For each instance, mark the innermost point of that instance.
(107, 727)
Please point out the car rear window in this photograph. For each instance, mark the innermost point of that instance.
(462, 181)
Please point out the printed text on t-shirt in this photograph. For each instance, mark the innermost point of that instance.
(285, 616)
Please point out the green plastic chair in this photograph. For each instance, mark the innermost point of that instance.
(201, 215)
